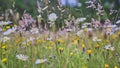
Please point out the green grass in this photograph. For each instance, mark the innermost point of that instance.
(72, 56)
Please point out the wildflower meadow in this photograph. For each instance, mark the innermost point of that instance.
(59, 33)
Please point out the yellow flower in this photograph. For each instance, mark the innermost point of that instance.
(115, 67)
(7, 27)
(29, 43)
(106, 66)
(83, 45)
(4, 60)
(51, 43)
(39, 41)
(60, 41)
(75, 42)
(61, 49)
(85, 29)
(89, 51)
(3, 47)
(96, 46)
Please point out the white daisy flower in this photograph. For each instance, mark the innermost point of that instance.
(84, 26)
(34, 30)
(49, 39)
(109, 47)
(89, 29)
(80, 19)
(112, 48)
(22, 57)
(39, 61)
(5, 23)
(79, 32)
(52, 17)
(9, 31)
(39, 16)
(112, 26)
(96, 39)
(69, 30)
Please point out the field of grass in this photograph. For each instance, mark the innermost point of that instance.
(65, 51)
